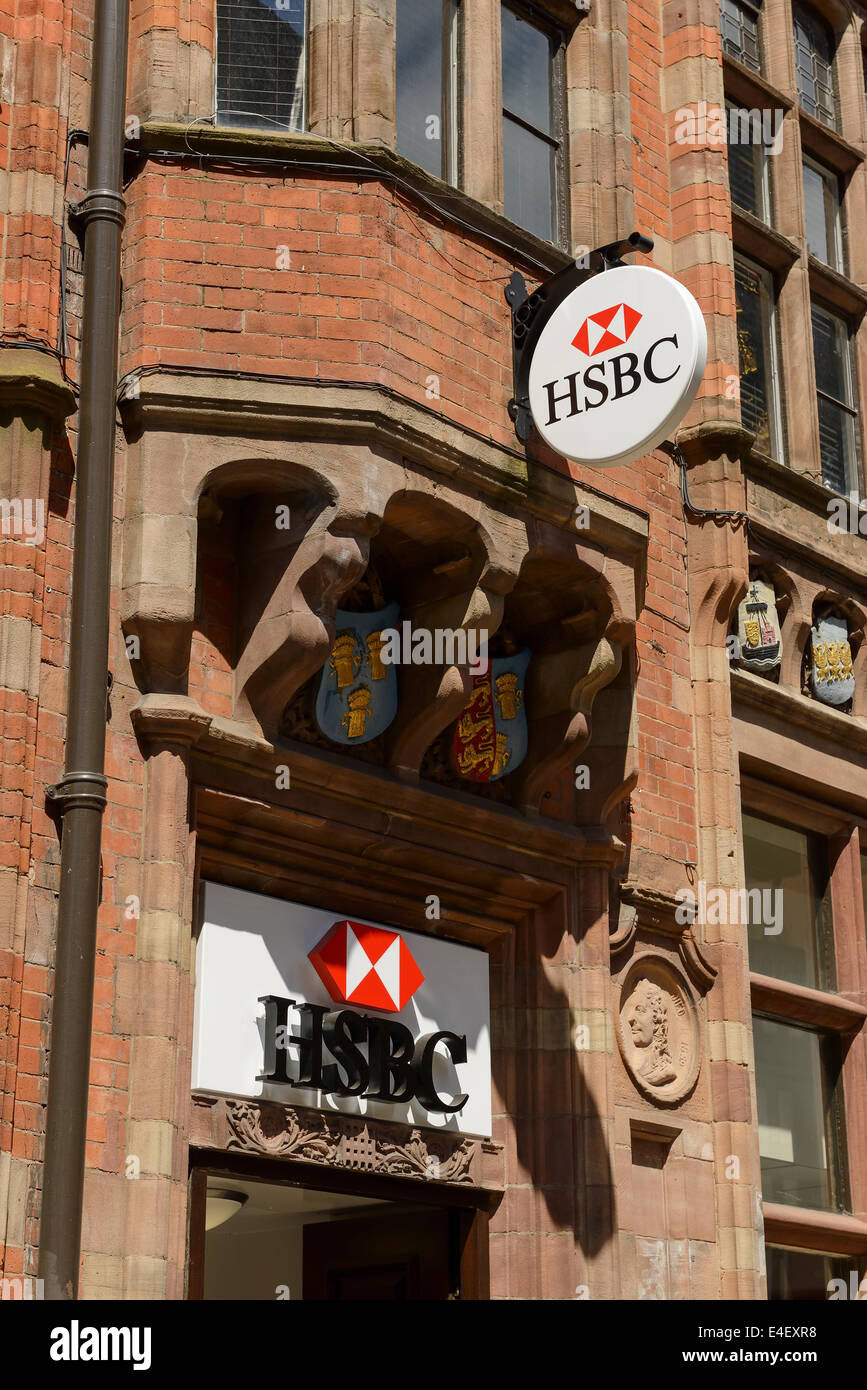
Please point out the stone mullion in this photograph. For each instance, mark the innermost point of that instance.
(33, 397)
(482, 114)
(599, 126)
(718, 574)
(143, 1253)
(700, 201)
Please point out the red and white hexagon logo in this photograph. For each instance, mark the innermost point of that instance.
(610, 328)
(366, 965)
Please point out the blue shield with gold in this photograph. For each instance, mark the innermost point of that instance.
(491, 735)
(357, 696)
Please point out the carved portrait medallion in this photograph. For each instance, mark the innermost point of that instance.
(658, 1031)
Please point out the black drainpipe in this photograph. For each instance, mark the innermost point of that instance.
(80, 796)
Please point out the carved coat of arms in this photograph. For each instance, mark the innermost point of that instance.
(357, 697)
(491, 735)
(832, 677)
(759, 628)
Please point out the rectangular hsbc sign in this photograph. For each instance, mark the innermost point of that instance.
(308, 1007)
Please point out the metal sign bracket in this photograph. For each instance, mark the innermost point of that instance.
(530, 313)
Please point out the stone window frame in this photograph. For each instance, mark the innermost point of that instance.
(452, 91)
(830, 1012)
(850, 405)
(799, 277)
(305, 94)
(815, 23)
(558, 38)
(754, 7)
(775, 404)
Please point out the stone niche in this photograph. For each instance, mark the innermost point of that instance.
(288, 540)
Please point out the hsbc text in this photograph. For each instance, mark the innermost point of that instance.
(624, 379)
(396, 1069)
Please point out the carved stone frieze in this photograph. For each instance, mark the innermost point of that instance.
(363, 1145)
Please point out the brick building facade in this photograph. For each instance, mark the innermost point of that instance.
(315, 322)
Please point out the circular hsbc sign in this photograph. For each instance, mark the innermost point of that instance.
(617, 366)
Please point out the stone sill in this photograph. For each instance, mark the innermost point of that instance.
(832, 1232)
(816, 1007)
(847, 730)
(358, 161)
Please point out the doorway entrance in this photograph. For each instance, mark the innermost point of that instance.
(256, 1239)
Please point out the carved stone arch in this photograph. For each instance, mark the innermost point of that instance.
(793, 609)
(290, 577)
(570, 608)
(828, 601)
(452, 562)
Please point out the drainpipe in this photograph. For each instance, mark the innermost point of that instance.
(80, 796)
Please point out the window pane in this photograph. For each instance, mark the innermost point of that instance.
(804, 1274)
(738, 25)
(260, 63)
(756, 357)
(528, 180)
(425, 99)
(830, 344)
(835, 446)
(821, 205)
(780, 862)
(747, 173)
(526, 72)
(836, 425)
(814, 55)
(793, 1093)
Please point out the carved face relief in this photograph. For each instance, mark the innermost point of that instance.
(658, 1032)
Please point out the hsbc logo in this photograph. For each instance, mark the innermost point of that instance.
(616, 366)
(365, 965)
(344, 1053)
(608, 329)
(627, 375)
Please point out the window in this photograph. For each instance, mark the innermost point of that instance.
(260, 63)
(803, 1274)
(749, 180)
(426, 75)
(739, 30)
(837, 414)
(797, 1071)
(789, 863)
(814, 62)
(757, 355)
(531, 148)
(822, 208)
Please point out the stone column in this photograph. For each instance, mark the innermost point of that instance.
(33, 399)
(718, 575)
(134, 1237)
(553, 1235)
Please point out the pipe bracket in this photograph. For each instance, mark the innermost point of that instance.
(104, 203)
(77, 790)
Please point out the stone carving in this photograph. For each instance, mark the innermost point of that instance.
(274, 1129)
(832, 676)
(659, 1037)
(759, 628)
(365, 1146)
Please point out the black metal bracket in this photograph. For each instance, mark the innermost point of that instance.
(530, 313)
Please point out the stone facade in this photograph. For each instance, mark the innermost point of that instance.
(322, 327)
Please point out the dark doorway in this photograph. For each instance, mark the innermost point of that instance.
(388, 1255)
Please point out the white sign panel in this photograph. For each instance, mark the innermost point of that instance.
(617, 366)
(358, 989)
